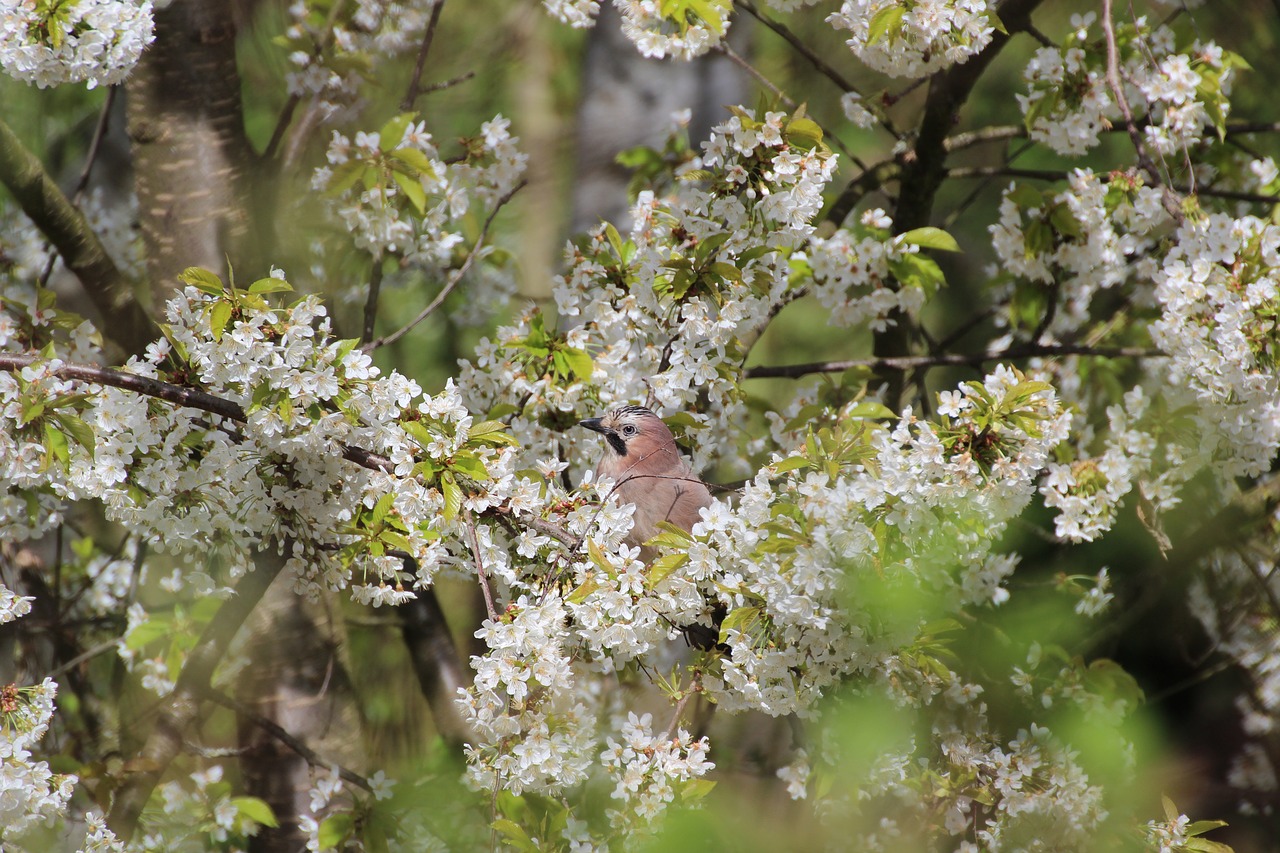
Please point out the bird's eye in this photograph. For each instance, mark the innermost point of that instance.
(629, 429)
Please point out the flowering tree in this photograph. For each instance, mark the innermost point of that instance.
(910, 586)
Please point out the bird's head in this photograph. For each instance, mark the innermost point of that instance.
(631, 431)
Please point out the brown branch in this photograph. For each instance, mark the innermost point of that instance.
(830, 138)
(816, 61)
(308, 754)
(924, 169)
(411, 95)
(371, 302)
(454, 279)
(178, 395)
(181, 708)
(435, 660)
(65, 226)
(912, 362)
(480, 572)
(1171, 203)
(1055, 175)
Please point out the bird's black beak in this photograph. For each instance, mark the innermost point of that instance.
(594, 424)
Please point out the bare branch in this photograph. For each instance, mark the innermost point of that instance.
(276, 731)
(371, 302)
(454, 279)
(480, 572)
(911, 362)
(415, 82)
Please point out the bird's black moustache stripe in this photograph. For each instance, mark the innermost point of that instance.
(616, 442)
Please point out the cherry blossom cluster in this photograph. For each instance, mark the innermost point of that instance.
(1184, 91)
(87, 41)
(396, 196)
(1219, 306)
(858, 504)
(853, 273)
(30, 793)
(688, 31)
(665, 312)
(331, 58)
(650, 769)
(904, 38)
(534, 731)
(1094, 234)
(658, 30)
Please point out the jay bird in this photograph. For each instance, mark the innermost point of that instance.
(642, 458)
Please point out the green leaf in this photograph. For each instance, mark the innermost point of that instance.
(255, 810)
(202, 279)
(578, 362)
(871, 410)
(271, 285)
(416, 160)
(79, 431)
(147, 632)
(582, 591)
(56, 443)
(469, 465)
(742, 620)
(486, 429)
(931, 238)
(1026, 197)
(791, 463)
(393, 131)
(381, 508)
(335, 830)
(514, 833)
(418, 432)
(1200, 827)
(804, 133)
(664, 566)
(452, 493)
(412, 188)
(694, 790)
(1204, 845)
(219, 316)
(886, 22)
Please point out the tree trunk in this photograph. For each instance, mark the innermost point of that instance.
(189, 147)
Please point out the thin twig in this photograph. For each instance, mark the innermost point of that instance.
(99, 131)
(1171, 203)
(276, 731)
(911, 362)
(411, 95)
(816, 61)
(371, 302)
(286, 114)
(724, 49)
(480, 572)
(454, 279)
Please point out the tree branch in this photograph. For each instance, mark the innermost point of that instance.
(912, 362)
(415, 82)
(81, 250)
(313, 758)
(181, 708)
(178, 395)
(454, 279)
